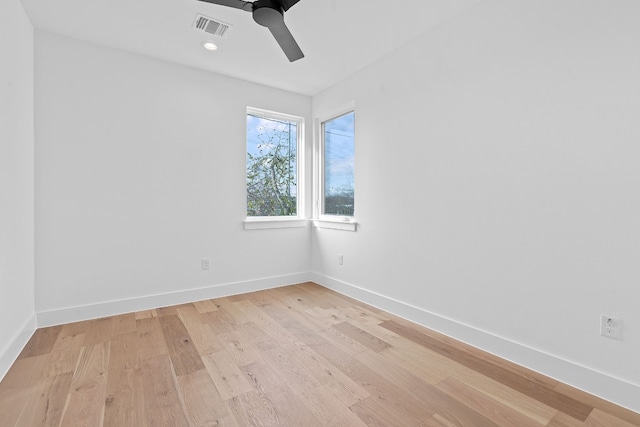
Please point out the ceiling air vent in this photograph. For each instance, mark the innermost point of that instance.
(210, 26)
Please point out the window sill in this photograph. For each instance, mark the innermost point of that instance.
(271, 223)
(348, 225)
(268, 223)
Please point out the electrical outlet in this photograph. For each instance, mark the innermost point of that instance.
(340, 259)
(206, 263)
(610, 327)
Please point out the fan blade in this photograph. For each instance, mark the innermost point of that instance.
(286, 41)
(237, 4)
(288, 4)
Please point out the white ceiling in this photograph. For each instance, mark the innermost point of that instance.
(338, 37)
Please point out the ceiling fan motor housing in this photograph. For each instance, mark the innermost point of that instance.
(268, 13)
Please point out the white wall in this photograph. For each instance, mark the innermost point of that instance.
(497, 176)
(17, 319)
(140, 168)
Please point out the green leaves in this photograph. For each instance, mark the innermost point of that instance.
(271, 171)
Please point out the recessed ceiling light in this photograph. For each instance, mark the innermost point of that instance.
(209, 46)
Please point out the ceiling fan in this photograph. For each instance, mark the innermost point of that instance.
(270, 14)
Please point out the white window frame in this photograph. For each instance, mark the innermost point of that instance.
(265, 222)
(321, 220)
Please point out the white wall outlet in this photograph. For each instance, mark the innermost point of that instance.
(340, 259)
(610, 327)
(206, 263)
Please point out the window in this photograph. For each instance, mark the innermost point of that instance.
(273, 144)
(337, 164)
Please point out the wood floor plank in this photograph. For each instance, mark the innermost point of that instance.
(329, 411)
(289, 407)
(340, 385)
(184, 355)
(288, 315)
(41, 342)
(48, 402)
(241, 349)
(124, 405)
(254, 336)
(258, 298)
(54, 398)
(361, 314)
(401, 404)
(600, 418)
(436, 422)
(277, 310)
(74, 328)
(230, 307)
(151, 342)
(403, 375)
(328, 299)
(363, 337)
(296, 297)
(99, 330)
(205, 340)
(457, 348)
(201, 401)
(189, 316)
(64, 355)
(271, 328)
(344, 342)
(419, 359)
(564, 420)
(68, 340)
(171, 310)
(220, 321)
(24, 373)
(123, 352)
(226, 375)
(356, 315)
(329, 317)
(146, 314)
(28, 403)
(254, 409)
(484, 404)
(500, 372)
(596, 402)
(124, 324)
(324, 297)
(283, 361)
(347, 301)
(435, 367)
(372, 414)
(16, 411)
(85, 402)
(205, 306)
(507, 396)
(162, 405)
(433, 400)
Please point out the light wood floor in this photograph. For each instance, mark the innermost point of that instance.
(295, 356)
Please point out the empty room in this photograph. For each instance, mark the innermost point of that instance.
(320, 213)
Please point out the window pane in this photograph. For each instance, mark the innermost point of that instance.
(271, 166)
(339, 137)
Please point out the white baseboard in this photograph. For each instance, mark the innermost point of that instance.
(597, 383)
(112, 308)
(11, 351)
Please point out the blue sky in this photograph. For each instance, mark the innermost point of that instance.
(339, 153)
(258, 125)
